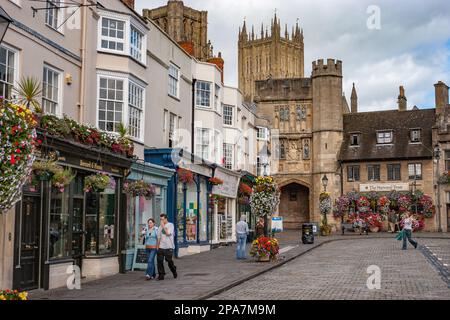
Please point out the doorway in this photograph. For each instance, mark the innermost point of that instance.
(26, 263)
(294, 205)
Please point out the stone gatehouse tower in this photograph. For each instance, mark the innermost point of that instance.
(187, 26)
(306, 123)
(266, 55)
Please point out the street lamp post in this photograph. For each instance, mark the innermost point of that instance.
(5, 20)
(325, 183)
(437, 156)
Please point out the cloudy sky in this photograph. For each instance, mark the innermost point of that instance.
(411, 47)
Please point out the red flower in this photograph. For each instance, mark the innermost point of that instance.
(13, 160)
(18, 151)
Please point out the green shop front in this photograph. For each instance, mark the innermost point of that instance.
(140, 209)
(63, 231)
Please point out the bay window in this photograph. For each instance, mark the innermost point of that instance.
(113, 34)
(136, 45)
(120, 100)
(202, 148)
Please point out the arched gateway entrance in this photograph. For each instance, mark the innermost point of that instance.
(294, 205)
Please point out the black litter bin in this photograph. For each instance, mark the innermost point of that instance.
(307, 233)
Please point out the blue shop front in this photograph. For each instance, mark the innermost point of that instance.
(188, 198)
(140, 209)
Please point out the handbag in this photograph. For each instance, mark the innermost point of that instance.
(400, 235)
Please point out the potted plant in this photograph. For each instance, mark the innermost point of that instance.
(96, 182)
(62, 178)
(139, 188)
(374, 222)
(265, 249)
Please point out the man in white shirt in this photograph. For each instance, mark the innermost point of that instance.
(166, 245)
(241, 236)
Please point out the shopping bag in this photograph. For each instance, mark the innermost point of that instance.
(399, 236)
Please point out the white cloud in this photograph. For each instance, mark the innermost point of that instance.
(409, 49)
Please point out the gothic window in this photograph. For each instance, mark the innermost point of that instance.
(284, 114)
(301, 113)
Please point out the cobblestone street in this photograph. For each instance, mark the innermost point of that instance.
(338, 270)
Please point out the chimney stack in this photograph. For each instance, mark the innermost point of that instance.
(129, 3)
(402, 101)
(441, 93)
(354, 100)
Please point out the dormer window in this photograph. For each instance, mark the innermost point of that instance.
(384, 137)
(354, 139)
(415, 135)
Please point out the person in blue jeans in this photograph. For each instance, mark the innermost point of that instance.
(407, 231)
(151, 242)
(241, 236)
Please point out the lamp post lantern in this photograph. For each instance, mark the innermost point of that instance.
(437, 156)
(5, 20)
(325, 183)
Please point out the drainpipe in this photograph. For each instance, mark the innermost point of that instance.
(83, 61)
(194, 81)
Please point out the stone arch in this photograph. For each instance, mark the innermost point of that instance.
(296, 202)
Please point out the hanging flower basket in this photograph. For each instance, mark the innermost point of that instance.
(96, 183)
(185, 176)
(245, 189)
(215, 181)
(62, 178)
(265, 197)
(46, 169)
(17, 138)
(139, 188)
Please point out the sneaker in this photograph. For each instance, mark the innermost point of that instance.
(147, 277)
(175, 275)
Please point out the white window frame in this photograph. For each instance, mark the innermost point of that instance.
(417, 168)
(126, 106)
(137, 52)
(175, 79)
(173, 129)
(204, 144)
(382, 137)
(217, 90)
(54, 24)
(197, 90)
(265, 131)
(141, 109)
(227, 114)
(415, 133)
(129, 24)
(59, 102)
(228, 153)
(15, 68)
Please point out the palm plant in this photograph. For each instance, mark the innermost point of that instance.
(28, 91)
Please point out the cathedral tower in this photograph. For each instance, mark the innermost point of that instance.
(269, 55)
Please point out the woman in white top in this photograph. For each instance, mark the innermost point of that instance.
(407, 230)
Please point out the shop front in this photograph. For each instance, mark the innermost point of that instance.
(225, 207)
(188, 197)
(141, 208)
(243, 207)
(59, 227)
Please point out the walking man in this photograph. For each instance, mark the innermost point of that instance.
(407, 231)
(241, 236)
(165, 247)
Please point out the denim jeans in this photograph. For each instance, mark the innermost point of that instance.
(151, 270)
(407, 235)
(241, 243)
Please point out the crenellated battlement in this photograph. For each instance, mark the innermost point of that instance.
(332, 67)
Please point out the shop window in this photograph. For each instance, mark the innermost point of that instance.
(100, 222)
(203, 207)
(59, 230)
(180, 213)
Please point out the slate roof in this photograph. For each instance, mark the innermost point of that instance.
(367, 124)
